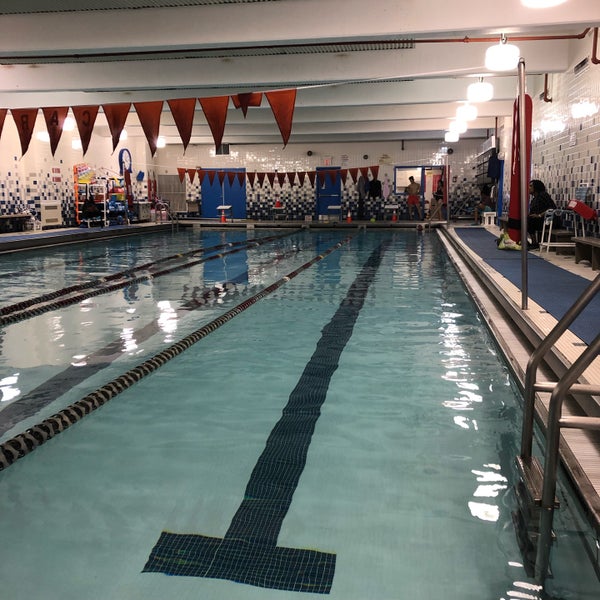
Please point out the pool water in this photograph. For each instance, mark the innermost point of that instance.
(362, 397)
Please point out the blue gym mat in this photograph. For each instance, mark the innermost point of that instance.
(551, 287)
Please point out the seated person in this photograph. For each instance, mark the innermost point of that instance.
(486, 203)
(90, 209)
(540, 203)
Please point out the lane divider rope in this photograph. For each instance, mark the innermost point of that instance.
(24, 443)
(14, 317)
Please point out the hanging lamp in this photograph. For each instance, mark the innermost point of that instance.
(466, 112)
(481, 91)
(502, 56)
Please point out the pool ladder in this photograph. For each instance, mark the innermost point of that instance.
(537, 488)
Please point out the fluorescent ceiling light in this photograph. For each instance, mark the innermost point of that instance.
(451, 136)
(502, 56)
(481, 91)
(161, 142)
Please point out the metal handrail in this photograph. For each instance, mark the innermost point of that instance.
(538, 355)
(559, 390)
(555, 422)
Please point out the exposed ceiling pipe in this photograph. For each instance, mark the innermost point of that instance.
(595, 58)
(57, 57)
(545, 97)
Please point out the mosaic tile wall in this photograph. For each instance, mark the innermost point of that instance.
(565, 141)
(299, 201)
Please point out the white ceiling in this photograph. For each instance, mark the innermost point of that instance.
(379, 70)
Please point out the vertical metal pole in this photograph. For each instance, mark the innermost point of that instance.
(524, 178)
(447, 190)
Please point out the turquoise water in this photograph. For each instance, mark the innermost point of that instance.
(409, 473)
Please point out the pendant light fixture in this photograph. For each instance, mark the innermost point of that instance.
(457, 126)
(466, 112)
(502, 56)
(481, 91)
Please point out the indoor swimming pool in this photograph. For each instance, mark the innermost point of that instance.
(280, 413)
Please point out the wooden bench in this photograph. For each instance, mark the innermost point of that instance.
(588, 249)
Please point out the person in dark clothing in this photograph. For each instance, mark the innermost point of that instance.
(539, 204)
(375, 189)
(361, 188)
(90, 209)
(486, 203)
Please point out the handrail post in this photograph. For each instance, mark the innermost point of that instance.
(537, 357)
(552, 452)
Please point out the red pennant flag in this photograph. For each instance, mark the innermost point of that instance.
(514, 208)
(211, 175)
(344, 175)
(291, 177)
(281, 178)
(116, 115)
(55, 120)
(85, 117)
(183, 115)
(322, 178)
(25, 121)
(364, 171)
(231, 177)
(149, 116)
(282, 104)
(221, 177)
(261, 178)
(302, 177)
(353, 174)
(180, 172)
(251, 177)
(375, 171)
(201, 175)
(3, 112)
(191, 173)
(241, 176)
(243, 101)
(215, 111)
(271, 178)
(311, 176)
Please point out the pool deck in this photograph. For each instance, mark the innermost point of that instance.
(517, 330)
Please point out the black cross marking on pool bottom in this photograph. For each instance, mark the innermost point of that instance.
(249, 553)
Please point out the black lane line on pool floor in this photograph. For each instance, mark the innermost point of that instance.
(249, 553)
(24, 443)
